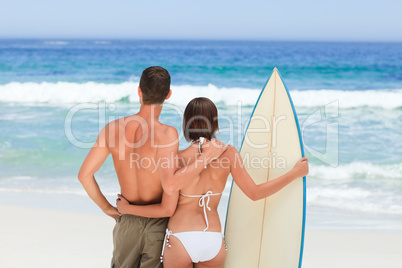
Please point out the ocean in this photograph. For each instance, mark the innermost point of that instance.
(57, 94)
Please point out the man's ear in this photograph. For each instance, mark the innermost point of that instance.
(139, 92)
(169, 94)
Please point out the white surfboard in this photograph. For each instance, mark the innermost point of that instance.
(268, 233)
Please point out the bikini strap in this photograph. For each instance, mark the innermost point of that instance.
(166, 242)
(201, 140)
(203, 203)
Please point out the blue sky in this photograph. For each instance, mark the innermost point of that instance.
(341, 20)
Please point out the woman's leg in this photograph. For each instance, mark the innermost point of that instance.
(216, 262)
(176, 256)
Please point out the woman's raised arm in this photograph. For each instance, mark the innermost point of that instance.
(254, 191)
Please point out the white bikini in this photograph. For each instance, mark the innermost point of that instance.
(200, 245)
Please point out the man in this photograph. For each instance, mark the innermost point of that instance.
(144, 154)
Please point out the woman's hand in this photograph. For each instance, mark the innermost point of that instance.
(301, 167)
(121, 204)
(213, 149)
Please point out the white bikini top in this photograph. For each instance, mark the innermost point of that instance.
(204, 204)
(201, 140)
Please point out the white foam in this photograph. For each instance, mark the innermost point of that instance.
(102, 42)
(355, 199)
(388, 99)
(66, 93)
(229, 96)
(357, 186)
(357, 170)
(59, 43)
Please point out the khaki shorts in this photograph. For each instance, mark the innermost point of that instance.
(138, 241)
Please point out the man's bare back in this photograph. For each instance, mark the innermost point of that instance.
(136, 139)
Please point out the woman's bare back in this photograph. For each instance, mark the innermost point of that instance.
(189, 215)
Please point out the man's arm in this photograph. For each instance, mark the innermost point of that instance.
(94, 160)
(174, 179)
(165, 208)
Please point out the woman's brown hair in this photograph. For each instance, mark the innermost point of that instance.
(200, 119)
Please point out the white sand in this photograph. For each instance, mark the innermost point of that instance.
(32, 237)
(327, 249)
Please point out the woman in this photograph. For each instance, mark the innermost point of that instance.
(193, 237)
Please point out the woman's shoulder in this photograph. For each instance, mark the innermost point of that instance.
(226, 159)
(230, 151)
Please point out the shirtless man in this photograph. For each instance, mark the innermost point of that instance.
(144, 154)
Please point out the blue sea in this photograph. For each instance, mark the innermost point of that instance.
(55, 96)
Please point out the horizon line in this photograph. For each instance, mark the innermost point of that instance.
(199, 39)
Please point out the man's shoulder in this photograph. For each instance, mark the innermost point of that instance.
(166, 131)
(126, 121)
(115, 126)
(166, 134)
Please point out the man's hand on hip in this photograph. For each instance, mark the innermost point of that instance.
(112, 212)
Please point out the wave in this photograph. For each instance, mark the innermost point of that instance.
(56, 43)
(355, 199)
(102, 42)
(67, 93)
(358, 170)
(357, 186)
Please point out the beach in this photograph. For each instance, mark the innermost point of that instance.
(34, 237)
(37, 237)
(46, 232)
(58, 94)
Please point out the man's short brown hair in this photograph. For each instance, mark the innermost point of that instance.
(200, 119)
(155, 85)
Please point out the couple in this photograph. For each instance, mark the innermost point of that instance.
(158, 181)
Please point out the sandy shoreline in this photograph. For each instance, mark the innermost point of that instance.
(345, 249)
(34, 237)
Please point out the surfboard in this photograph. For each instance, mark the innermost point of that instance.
(269, 233)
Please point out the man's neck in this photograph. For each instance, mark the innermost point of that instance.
(150, 111)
